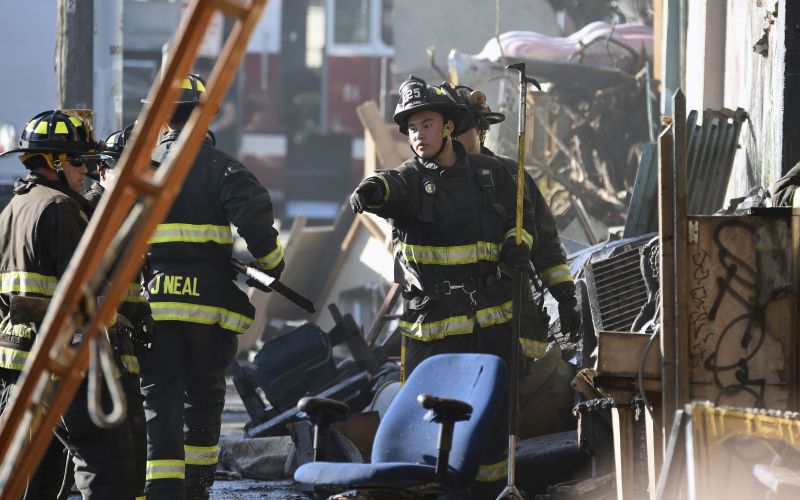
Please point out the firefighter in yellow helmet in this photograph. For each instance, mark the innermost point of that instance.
(39, 231)
(198, 308)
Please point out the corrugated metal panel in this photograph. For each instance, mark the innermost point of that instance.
(642, 211)
(711, 147)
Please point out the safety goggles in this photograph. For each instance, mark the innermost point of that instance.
(77, 161)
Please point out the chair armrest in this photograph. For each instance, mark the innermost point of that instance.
(444, 410)
(323, 411)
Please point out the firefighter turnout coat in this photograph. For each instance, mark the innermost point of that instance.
(192, 279)
(547, 255)
(39, 231)
(450, 225)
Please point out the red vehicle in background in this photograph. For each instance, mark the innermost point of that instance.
(311, 63)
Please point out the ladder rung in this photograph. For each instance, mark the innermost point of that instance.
(387, 317)
(233, 8)
(62, 363)
(145, 184)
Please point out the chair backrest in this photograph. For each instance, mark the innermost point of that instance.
(290, 366)
(403, 435)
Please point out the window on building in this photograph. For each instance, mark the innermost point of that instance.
(351, 21)
(387, 22)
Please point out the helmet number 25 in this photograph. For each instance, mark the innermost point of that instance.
(412, 93)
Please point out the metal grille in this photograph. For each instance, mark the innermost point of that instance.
(617, 290)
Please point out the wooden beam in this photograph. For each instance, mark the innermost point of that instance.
(386, 148)
(624, 429)
(666, 240)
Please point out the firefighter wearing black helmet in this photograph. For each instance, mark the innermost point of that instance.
(137, 334)
(453, 219)
(547, 255)
(198, 307)
(39, 231)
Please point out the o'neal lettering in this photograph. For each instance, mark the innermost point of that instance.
(175, 285)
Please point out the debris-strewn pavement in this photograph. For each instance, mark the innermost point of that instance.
(233, 419)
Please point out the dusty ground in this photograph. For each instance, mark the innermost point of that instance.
(233, 419)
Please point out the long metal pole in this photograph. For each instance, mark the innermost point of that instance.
(519, 285)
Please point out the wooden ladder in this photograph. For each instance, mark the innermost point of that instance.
(121, 227)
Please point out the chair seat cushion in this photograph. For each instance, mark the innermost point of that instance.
(350, 475)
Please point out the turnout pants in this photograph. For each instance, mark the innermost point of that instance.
(183, 383)
(492, 340)
(102, 458)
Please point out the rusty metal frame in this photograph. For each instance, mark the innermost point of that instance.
(122, 225)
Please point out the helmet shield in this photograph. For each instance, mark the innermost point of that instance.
(416, 95)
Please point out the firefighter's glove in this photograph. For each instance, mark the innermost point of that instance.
(570, 319)
(515, 254)
(369, 193)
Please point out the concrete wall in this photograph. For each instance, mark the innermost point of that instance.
(723, 70)
(705, 54)
(460, 25)
(755, 83)
(27, 38)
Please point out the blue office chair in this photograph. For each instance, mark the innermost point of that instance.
(412, 457)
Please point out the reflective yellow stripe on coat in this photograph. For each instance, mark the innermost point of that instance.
(12, 359)
(133, 293)
(165, 469)
(556, 274)
(526, 237)
(450, 256)
(457, 325)
(488, 473)
(273, 258)
(201, 455)
(24, 282)
(532, 348)
(192, 233)
(196, 313)
(130, 363)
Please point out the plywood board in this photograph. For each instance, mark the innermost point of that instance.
(740, 308)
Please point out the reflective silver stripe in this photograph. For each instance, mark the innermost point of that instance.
(450, 256)
(201, 455)
(273, 258)
(12, 359)
(24, 282)
(192, 233)
(195, 313)
(494, 315)
(165, 469)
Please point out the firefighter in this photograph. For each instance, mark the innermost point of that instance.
(453, 220)
(136, 331)
(547, 255)
(39, 231)
(198, 308)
